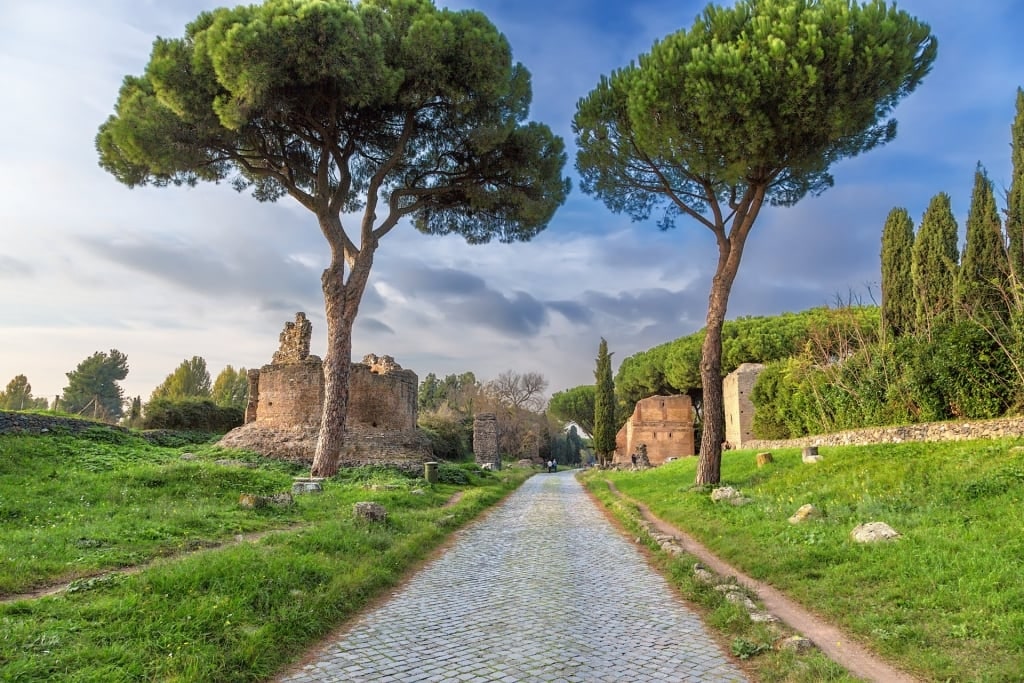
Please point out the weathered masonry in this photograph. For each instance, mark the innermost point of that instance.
(664, 424)
(739, 409)
(286, 402)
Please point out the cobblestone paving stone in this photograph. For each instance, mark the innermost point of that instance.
(543, 589)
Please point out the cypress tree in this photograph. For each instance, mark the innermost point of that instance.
(934, 265)
(898, 307)
(604, 405)
(1015, 196)
(981, 289)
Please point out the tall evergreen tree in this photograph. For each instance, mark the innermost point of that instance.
(604, 405)
(898, 307)
(934, 264)
(370, 114)
(981, 287)
(92, 386)
(747, 108)
(1015, 196)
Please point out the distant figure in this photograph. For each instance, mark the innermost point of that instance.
(552, 465)
(633, 458)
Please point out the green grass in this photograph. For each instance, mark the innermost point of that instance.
(945, 601)
(239, 612)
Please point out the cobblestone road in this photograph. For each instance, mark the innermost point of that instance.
(543, 589)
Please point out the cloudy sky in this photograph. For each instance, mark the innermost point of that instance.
(166, 274)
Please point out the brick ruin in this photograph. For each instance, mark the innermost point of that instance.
(664, 424)
(282, 416)
(485, 440)
(739, 409)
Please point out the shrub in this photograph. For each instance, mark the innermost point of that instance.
(201, 415)
(449, 432)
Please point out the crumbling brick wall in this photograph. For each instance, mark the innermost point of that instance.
(662, 423)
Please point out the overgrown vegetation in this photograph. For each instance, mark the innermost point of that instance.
(213, 607)
(944, 601)
(195, 414)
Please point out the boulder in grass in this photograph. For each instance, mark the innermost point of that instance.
(804, 513)
(371, 512)
(729, 495)
(874, 532)
(253, 500)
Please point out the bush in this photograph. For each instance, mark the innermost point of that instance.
(450, 433)
(961, 373)
(201, 415)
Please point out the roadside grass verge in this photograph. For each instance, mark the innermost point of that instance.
(239, 612)
(747, 640)
(944, 601)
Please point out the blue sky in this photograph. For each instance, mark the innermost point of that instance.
(166, 274)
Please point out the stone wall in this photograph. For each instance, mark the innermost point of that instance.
(12, 422)
(662, 423)
(289, 395)
(485, 439)
(382, 395)
(928, 431)
(739, 410)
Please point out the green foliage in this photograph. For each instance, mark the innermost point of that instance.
(574, 405)
(982, 286)
(675, 367)
(191, 414)
(934, 264)
(18, 396)
(362, 82)
(450, 433)
(898, 308)
(565, 448)
(765, 92)
(1015, 195)
(604, 404)
(961, 373)
(191, 379)
(92, 386)
(231, 388)
(642, 375)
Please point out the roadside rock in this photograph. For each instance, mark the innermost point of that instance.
(874, 532)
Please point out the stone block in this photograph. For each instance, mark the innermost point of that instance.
(370, 511)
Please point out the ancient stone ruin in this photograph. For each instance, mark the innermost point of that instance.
(664, 424)
(485, 440)
(282, 417)
(739, 409)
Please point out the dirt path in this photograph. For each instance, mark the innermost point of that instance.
(61, 586)
(831, 640)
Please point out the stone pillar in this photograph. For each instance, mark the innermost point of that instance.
(254, 395)
(485, 440)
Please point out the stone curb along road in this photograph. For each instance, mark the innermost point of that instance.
(543, 588)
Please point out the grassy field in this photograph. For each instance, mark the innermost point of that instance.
(205, 606)
(945, 601)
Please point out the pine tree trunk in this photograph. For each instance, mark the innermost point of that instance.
(337, 365)
(709, 464)
(341, 303)
(730, 250)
